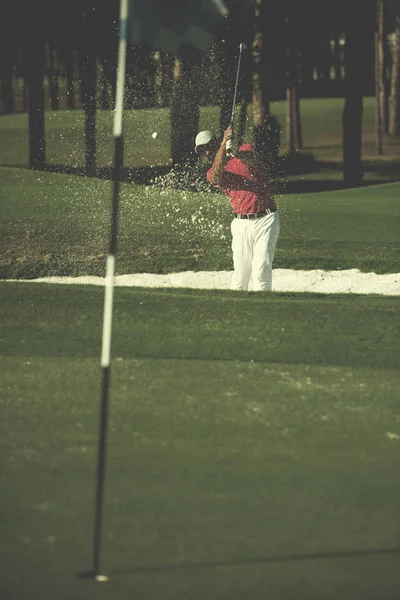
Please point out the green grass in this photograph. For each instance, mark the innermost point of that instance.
(185, 330)
(53, 224)
(253, 438)
(246, 432)
(321, 126)
(58, 224)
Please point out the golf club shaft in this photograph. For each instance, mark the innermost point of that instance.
(236, 83)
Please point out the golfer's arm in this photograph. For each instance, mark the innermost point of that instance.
(219, 164)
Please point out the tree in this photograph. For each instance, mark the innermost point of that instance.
(261, 103)
(394, 124)
(70, 72)
(53, 73)
(293, 117)
(290, 87)
(6, 74)
(88, 76)
(336, 57)
(357, 35)
(166, 78)
(266, 127)
(185, 112)
(7, 61)
(238, 28)
(66, 19)
(106, 52)
(297, 119)
(379, 85)
(34, 65)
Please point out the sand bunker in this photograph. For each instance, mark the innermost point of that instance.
(351, 281)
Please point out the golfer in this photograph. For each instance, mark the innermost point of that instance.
(255, 227)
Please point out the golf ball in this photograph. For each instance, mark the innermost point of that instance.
(154, 135)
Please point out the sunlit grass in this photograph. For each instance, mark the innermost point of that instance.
(59, 224)
(321, 126)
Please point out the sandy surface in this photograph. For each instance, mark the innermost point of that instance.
(349, 281)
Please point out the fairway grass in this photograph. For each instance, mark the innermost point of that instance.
(321, 131)
(253, 445)
(253, 448)
(53, 224)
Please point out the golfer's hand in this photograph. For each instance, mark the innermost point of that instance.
(228, 134)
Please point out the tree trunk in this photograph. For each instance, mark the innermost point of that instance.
(35, 62)
(86, 28)
(336, 60)
(369, 61)
(291, 81)
(88, 87)
(7, 89)
(70, 80)
(129, 95)
(25, 103)
(293, 69)
(266, 127)
(7, 92)
(88, 77)
(261, 105)
(378, 96)
(104, 101)
(111, 74)
(290, 119)
(185, 113)
(167, 78)
(355, 83)
(380, 72)
(241, 131)
(325, 60)
(394, 125)
(386, 85)
(53, 76)
(297, 119)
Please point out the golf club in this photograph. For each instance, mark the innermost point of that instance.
(241, 46)
(230, 150)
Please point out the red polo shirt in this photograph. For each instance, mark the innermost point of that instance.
(249, 192)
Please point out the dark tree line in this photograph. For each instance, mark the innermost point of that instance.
(65, 43)
(298, 48)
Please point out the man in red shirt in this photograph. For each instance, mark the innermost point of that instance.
(255, 227)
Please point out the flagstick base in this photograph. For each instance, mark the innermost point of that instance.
(101, 578)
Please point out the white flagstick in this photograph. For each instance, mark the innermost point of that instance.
(108, 311)
(119, 101)
(109, 290)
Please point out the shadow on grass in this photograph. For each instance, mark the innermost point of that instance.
(192, 177)
(259, 561)
(303, 164)
(308, 186)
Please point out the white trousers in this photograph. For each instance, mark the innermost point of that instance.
(253, 247)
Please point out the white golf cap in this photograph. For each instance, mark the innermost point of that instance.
(203, 138)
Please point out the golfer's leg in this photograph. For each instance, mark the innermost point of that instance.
(242, 253)
(266, 236)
